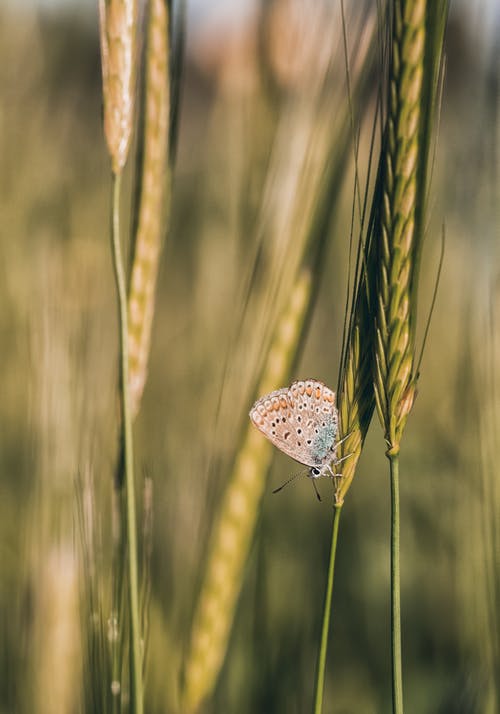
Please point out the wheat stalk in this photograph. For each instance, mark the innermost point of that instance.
(154, 200)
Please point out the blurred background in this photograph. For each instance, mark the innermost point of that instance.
(248, 117)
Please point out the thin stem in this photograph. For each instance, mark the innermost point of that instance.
(320, 672)
(116, 630)
(131, 524)
(397, 674)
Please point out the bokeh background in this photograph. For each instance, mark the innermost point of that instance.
(247, 78)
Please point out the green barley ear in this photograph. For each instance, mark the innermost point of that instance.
(417, 36)
(118, 25)
(154, 199)
(416, 45)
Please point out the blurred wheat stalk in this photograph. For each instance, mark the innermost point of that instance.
(153, 214)
(234, 527)
(118, 31)
(154, 204)
(119, 27)
(478, 434)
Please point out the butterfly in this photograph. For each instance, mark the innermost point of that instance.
(302, 421)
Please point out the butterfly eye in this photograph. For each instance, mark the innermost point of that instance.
(315, 471)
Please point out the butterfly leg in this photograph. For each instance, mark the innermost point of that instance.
(336, 446)
(328, 468)
(344, 458)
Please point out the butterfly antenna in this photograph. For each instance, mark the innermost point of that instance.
(316, 491)
(280, 488)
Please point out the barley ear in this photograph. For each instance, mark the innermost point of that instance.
(396, 239)
(118, 24)
(397, 236)
(417, 45)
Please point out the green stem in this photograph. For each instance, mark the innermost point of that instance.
(320, 671)
(131, 524)
(397, 671)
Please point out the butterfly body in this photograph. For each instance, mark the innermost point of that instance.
(302, 421)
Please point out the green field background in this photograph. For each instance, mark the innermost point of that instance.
(58, 403)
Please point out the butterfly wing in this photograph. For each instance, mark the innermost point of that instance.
(302, 421)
